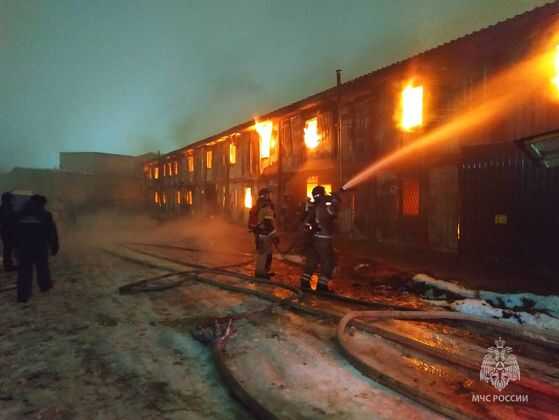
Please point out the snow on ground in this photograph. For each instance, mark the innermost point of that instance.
(520, 308)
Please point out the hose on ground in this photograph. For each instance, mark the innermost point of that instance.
(349, 318)
(414, 392)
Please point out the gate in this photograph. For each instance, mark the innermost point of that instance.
(509, 206)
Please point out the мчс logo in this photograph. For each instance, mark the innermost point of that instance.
(499, 366)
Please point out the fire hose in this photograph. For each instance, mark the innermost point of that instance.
(413, 392)
(221, 334)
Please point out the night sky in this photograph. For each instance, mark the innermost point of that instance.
(132, 76)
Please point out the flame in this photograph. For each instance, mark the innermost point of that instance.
(209, 159)
(232, 153)
(555, 79)
(412, 107)
(491, 101)
(248, 198)
(312, 138)
(264, 129)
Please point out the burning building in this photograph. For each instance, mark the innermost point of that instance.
(450, 150)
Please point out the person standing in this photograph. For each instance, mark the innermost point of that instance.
(7, 230)
(264, 229)
(36, 235)
(319, 223)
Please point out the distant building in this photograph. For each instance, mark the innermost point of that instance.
(85, 181)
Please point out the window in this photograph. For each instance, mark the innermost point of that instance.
(156, 199)
(410, 197)
(232, 153)
(156, 172)
(190, 163)
(312, 138)
(248, 198)
(264, 130)
(209, 159)
(412, 107)
(176, 167)
(178, 197)
(189, 197)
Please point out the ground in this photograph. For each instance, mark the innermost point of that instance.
(84, 351)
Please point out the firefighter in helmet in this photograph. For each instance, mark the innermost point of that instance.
(319, 222)
(263, 226)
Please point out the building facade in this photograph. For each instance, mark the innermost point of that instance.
(437, 138)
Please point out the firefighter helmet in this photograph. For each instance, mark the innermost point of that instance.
(318, 192)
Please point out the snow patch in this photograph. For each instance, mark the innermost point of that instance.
(520, 308)
(445, 286)
(483, 309)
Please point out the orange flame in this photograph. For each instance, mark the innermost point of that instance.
(555, 79)
(412, 107)
(264, 129)
(492, 100)
(312, 138)
(248, 198)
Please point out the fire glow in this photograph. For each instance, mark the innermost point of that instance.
(312, 138)
(493, 100)
(412, 107)
(264, 130)
(555, 79)
(248, 198)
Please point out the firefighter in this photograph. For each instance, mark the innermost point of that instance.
(319, 221)
(264, 229)
(36, 235)
(7, 230)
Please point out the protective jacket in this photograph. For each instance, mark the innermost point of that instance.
(35, 230)
(320, 217)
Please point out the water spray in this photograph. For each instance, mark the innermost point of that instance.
(492, 101)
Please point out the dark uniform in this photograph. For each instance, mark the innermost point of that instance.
(36, 235)
(320, 216)
(7, 230)
(265, 234)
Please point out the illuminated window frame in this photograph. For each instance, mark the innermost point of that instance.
(412, 107)
(232, 153)
(209, 159)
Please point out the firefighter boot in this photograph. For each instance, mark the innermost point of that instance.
(323, 284)
(306, 282)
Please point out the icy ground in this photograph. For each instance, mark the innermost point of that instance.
(82, 351)
(520, 308)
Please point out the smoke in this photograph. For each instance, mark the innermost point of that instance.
(113, 227)
(230, 101)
